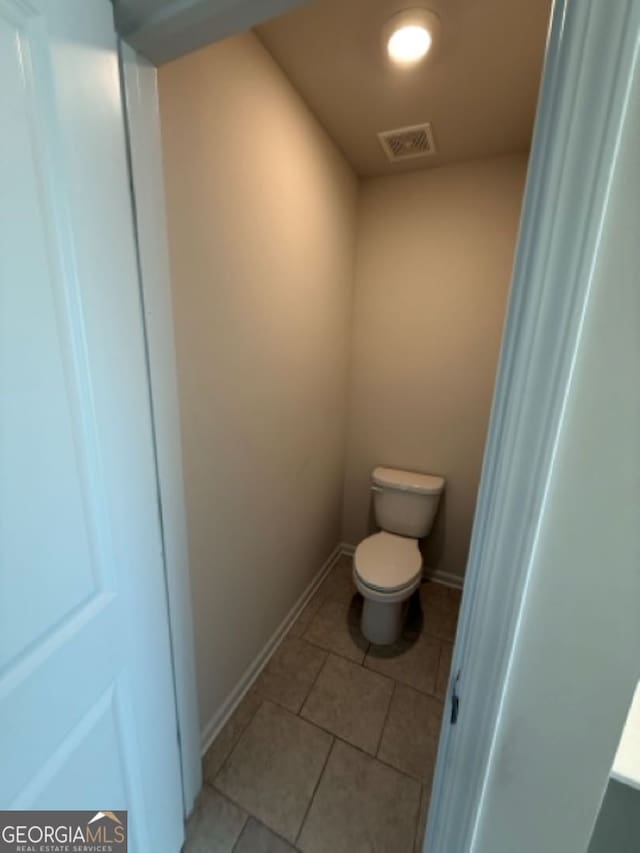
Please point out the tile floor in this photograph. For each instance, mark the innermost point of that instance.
(333, 748)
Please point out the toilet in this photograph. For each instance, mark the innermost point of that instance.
(387, 566)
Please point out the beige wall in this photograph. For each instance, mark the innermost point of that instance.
(261, 211)
(434, 258)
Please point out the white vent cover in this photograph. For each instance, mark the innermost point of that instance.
(407, 143)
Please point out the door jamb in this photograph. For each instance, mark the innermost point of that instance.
(140, 97)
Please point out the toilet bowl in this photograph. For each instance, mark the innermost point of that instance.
(387, 569)
(387, 566)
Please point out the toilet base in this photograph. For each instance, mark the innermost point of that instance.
(382, 621)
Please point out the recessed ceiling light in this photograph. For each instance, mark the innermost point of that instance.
(409, 44)
(409, 35)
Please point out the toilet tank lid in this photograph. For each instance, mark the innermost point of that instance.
(408, 481)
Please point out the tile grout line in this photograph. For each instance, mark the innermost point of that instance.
(333, 652)
(437, 680)
(249, 815)
(386, 717)
(321, 599)
(373, 757)
(235, 742)
(244, 826)
(418, 816)
(320, 728)
(315, 789)
(369, 672)
(315, 681)
(266, 698)
(419, 690)
(334, 739)
(363, 665)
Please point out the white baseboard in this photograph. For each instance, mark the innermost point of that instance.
(217, 721)
(445, 578)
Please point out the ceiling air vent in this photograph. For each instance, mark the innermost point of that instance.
(406, 143)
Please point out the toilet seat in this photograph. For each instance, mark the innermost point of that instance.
(387, 563)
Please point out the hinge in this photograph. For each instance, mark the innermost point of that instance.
(455, 698)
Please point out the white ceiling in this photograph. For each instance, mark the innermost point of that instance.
(478, 89)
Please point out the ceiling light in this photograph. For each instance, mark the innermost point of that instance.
(409, 44)
(409, 35)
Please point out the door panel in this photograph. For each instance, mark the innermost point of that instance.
(54, 518)
(87, 712)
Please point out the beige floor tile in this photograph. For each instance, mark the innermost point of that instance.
(256, 838)
(410, 738)
(440, 622)
(433, 609)
(421, 825)
(440, 606)
(455, 596)
(336, 627)
(413, 617)
(432, 591)
(444, 665)
(350, 701)
(215, 824)
(361, 806)
(411, 661)
(346, 561)
(302, 622)
(290, 673)
(274, 768)
(338, 584)
(221, 748)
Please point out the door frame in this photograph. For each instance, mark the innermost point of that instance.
(587, 75)
(140, 98)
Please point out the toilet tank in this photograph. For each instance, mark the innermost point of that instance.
(405, 502)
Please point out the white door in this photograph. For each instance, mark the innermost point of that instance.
(87, 712)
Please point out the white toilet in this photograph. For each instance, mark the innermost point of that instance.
(387, 566)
